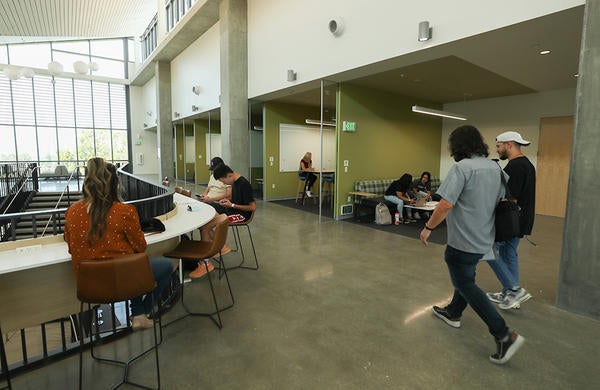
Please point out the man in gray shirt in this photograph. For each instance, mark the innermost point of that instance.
(470, 193)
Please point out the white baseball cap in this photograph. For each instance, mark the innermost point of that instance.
(512, 136)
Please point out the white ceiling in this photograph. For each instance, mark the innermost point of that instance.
(74, 18)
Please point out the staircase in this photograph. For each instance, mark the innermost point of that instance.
(44, 201)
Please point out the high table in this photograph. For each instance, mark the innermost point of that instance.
(37, 283)
(316, 172)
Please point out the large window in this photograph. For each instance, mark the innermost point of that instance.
(61, 120)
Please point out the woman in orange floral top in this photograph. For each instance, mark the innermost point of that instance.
(100, 226)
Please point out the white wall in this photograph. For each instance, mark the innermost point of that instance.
(520, 113)
(143, 101)
(199, 64)
(291, 34)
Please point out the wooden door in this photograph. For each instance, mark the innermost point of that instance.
(553, 165)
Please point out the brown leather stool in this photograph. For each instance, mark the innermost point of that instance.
(4, 363)
(238, 243)
(109, 281)
(205, 250)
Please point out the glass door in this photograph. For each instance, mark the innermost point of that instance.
(328, 128)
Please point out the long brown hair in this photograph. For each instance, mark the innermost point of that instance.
(100, 191)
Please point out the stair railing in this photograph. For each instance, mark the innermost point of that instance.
(67, 190)
(20, 182)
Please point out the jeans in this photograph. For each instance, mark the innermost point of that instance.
(310, 179)
(161, 269)
(506, 267)
(461, 266)
(399, 205)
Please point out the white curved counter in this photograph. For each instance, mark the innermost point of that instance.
(36, 278)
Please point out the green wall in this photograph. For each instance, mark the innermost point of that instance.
(274, 114)
(201, 129)
(389, 140)
(179, 144)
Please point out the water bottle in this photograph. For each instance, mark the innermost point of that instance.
(397, 218)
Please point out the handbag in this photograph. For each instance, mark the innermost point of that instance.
(507, 216)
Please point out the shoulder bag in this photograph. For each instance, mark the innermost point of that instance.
(507, 215)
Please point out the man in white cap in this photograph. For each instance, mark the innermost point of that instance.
(522, 190)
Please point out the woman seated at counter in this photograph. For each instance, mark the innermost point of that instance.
(398, 193)
(100, 226)
(215, 190)
(305, 173)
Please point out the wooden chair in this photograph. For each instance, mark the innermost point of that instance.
(238, 242)
(4, 363)
(109, 281)
(204, 251)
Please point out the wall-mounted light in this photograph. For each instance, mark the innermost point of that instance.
(196, 90)
(149, 113)
(544, 52)
(176, 114)
(336, 26)
(425, 31)
(195, 108)
(444, 114)
(291, 75)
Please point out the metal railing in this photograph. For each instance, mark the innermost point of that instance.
(149, 39)
(150, 200)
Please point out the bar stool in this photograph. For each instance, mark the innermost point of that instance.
(328, 187)
(201, 251)
(4, 363)
(238, 242)
(300, 193)
(109, 281)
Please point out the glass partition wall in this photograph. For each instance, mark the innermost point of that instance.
(328, 128)
(257, 155)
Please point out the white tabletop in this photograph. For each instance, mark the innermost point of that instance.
(429, 206)
(41, 255)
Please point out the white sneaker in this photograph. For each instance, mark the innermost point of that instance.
(308, 194)
(498, 297)
(514, 299)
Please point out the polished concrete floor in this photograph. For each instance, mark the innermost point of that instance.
(342, 306)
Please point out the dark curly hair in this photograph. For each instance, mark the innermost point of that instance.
(466, 142)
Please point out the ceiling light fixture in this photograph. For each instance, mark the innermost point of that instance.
(444, 114)
(544, 52)
(576, 75)
(318, 122)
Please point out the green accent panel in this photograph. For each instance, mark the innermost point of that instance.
(202, 173)
(389, 140)
(275, 114)
(201, 129)
(179, 147)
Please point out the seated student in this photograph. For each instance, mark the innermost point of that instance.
(238, 209)
(306, 170)
(100, 226)
(215, 190)
(422, 188)
(423, 185)
(398, 193)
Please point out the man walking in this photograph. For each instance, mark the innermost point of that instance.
(522, 191)
(470, 194)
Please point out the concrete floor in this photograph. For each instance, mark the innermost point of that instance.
(343, 306)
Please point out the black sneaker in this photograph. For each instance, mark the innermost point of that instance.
(505, 350)
(442, 314)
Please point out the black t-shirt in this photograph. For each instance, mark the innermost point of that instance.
(396, 186)
(241, 193)
(522, 187)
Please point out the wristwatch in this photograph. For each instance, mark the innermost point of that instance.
(233, 205)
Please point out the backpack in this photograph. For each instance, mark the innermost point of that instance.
(382, 214)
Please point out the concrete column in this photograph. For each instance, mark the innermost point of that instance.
(235, 135)
(161, 20)
(164, 126)
(579, 278)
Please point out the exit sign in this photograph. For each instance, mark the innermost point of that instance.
(349, 126)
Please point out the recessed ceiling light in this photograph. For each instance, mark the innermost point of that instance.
(576, 75)
(544, 52)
